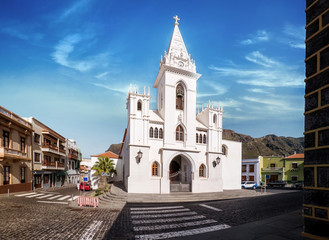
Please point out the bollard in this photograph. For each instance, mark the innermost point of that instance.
(72, 197)
(8, 192)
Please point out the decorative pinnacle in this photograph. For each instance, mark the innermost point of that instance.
(177, 19)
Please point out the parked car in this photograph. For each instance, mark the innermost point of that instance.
(277, 184)
(299, 185)
(85, 186)
(249, 184)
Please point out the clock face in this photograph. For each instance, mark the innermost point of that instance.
(181, 64)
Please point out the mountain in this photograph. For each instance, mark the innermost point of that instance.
(253, 147)
(265, 146)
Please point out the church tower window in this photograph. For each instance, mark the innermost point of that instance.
(179, 133)
(224, 150)
(155, 169)
(156, 133)
(200, 138)
(215, 118)
(139, 106)
(202, 169)
(160, 133)
(204, 139)
(196, 138)
(151, 132)
(180, 97)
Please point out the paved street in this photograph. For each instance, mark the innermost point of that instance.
(25, 217)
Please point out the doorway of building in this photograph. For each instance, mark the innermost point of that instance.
(180, 175)
(37, 181)
(272, 178)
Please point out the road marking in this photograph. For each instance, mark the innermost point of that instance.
(35, 195)
(210, 207)
(171, 226)
(62, 198)
(165, 220)
(155, 208)
(75, 197)
(183, 233)
(161, 211)
(91, 230)
(55, 197)
(163, 215)
(45, 196)
(25, 194)
(53, 202)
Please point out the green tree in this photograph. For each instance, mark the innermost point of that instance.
(104, 166)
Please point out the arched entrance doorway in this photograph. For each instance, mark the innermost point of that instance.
(180, 174)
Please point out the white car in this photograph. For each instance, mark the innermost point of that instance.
(249, 184)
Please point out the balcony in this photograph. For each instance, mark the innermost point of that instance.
(14, 117)
(46, 147)
(53, 165)
(73, 156)
(273, 169)
(12, 153)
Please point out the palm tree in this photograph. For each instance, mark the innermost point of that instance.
(104, 167)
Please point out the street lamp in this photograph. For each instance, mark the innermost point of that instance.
(216, 162)
(139, 156)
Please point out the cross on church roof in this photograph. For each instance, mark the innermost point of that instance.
(177, 19)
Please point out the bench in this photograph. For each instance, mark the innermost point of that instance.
(88, 201)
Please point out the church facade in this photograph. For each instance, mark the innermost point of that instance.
(171, 149)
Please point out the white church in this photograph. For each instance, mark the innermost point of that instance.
(173, 149)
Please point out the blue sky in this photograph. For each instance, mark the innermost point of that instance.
(69, 63)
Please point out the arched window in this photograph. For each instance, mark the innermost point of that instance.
(151, 132)
(156, 133)
(224, 150)
(202, 171)
(155, 169)
(179, 133)
(200, 138)
(196, 138)
(139, 106)
(204, 139)
(160, 133)
(215, 118)
(180, 97)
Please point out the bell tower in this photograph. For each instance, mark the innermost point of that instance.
(176, 93)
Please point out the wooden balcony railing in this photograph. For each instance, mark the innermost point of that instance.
(52, 164)
(15, 117)
(47, 145)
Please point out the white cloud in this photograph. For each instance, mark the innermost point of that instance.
(121, 90)
(296, 36)
(260, 36)
(214, 90)
(71, 10)
(102, 75)
(258, 58)
(258, 90)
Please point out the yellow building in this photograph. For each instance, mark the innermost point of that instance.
(15, 153)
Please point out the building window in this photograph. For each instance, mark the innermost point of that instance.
(156, 132)
(294, 178)
(151, 132)
(243, 178)
(22, 144)
(294, 165)
(204, 139)
(272, 165)
(251, 178)
(244, 168)
(200, 138)
(139, 106)
(155, 169)
(215, 118)
(46, 159)
(202, 169)
(22, 174)
(37, 157)
(36, 138)
(5, 142)
(224, 150)
(6, 175)
(180, 97)
(160, 133)
(179, 133)
(196, 138)
(252, 168)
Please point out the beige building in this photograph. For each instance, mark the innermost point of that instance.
(49, 156)
(15, 152)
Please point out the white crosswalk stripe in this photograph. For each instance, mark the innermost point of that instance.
(25, 194)
(75, 197)
(65, 197)
(55, 197)
(45, 196)
(35, 195)
(151, 221)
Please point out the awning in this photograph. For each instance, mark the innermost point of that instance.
(60, 174)
(42, 172)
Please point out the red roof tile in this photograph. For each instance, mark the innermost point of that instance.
(298, 155)
(108, 154)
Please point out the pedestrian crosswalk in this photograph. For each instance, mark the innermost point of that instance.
(48, 196)
(170, 222)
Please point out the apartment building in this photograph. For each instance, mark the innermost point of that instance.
(49, 156)
(250, 170)
(73, 161)
(15, 152)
